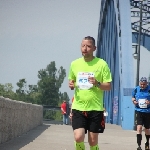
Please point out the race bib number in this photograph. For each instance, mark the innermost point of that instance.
(82, 80)
(142, 103)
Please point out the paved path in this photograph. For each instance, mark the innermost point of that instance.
(60, 137)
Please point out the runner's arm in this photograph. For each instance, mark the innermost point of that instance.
(105, 86)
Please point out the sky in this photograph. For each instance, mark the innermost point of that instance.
(34, 33)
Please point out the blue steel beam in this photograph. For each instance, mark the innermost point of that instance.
(115, 46)
(145, 30)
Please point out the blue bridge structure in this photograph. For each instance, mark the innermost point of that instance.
(119, 30)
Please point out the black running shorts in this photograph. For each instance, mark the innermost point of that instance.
(143, 119)
(92, 121)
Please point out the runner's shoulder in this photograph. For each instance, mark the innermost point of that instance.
(76, 61)
(101, 61)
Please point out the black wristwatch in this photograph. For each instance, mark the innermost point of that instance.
(98, 84)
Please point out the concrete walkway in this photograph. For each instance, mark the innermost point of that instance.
(60, 137)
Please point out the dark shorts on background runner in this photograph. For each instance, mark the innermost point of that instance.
(143, 119)
(92, 121)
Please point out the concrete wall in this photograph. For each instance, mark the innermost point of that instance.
(17, 117)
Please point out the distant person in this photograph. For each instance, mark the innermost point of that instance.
(141, 100)
(64, 109)
(90, 77)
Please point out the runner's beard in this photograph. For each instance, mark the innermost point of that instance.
(85, 55)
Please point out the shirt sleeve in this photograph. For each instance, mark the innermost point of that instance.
(133, 93)
(106, 74)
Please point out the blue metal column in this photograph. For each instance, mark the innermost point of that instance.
(116, 48)
(127, 83)
(108, 49)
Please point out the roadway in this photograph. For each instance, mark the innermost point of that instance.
(54, 136)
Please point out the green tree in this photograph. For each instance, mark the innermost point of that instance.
(22, 86)
(63, 96)
(7, 91)
(33, 88)
(33, 95)
(21, 92)
(2, 90)
(50, 81)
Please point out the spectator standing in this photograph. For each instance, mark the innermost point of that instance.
(64, 109)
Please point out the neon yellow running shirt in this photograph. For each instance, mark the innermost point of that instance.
(91, 98)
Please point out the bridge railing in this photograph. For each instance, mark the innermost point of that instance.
(54, 114)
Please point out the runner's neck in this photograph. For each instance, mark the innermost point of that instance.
(89, 59)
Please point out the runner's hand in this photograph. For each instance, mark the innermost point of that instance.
(92, 80)
(147, 102)
(71, 84)
(135, 102)
(70, 116)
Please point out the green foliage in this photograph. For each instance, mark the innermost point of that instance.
(50, 82)
(33, 95)
(63, 96)
(2, 90)
(21, 92)
(6, 90)
(22, 86)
